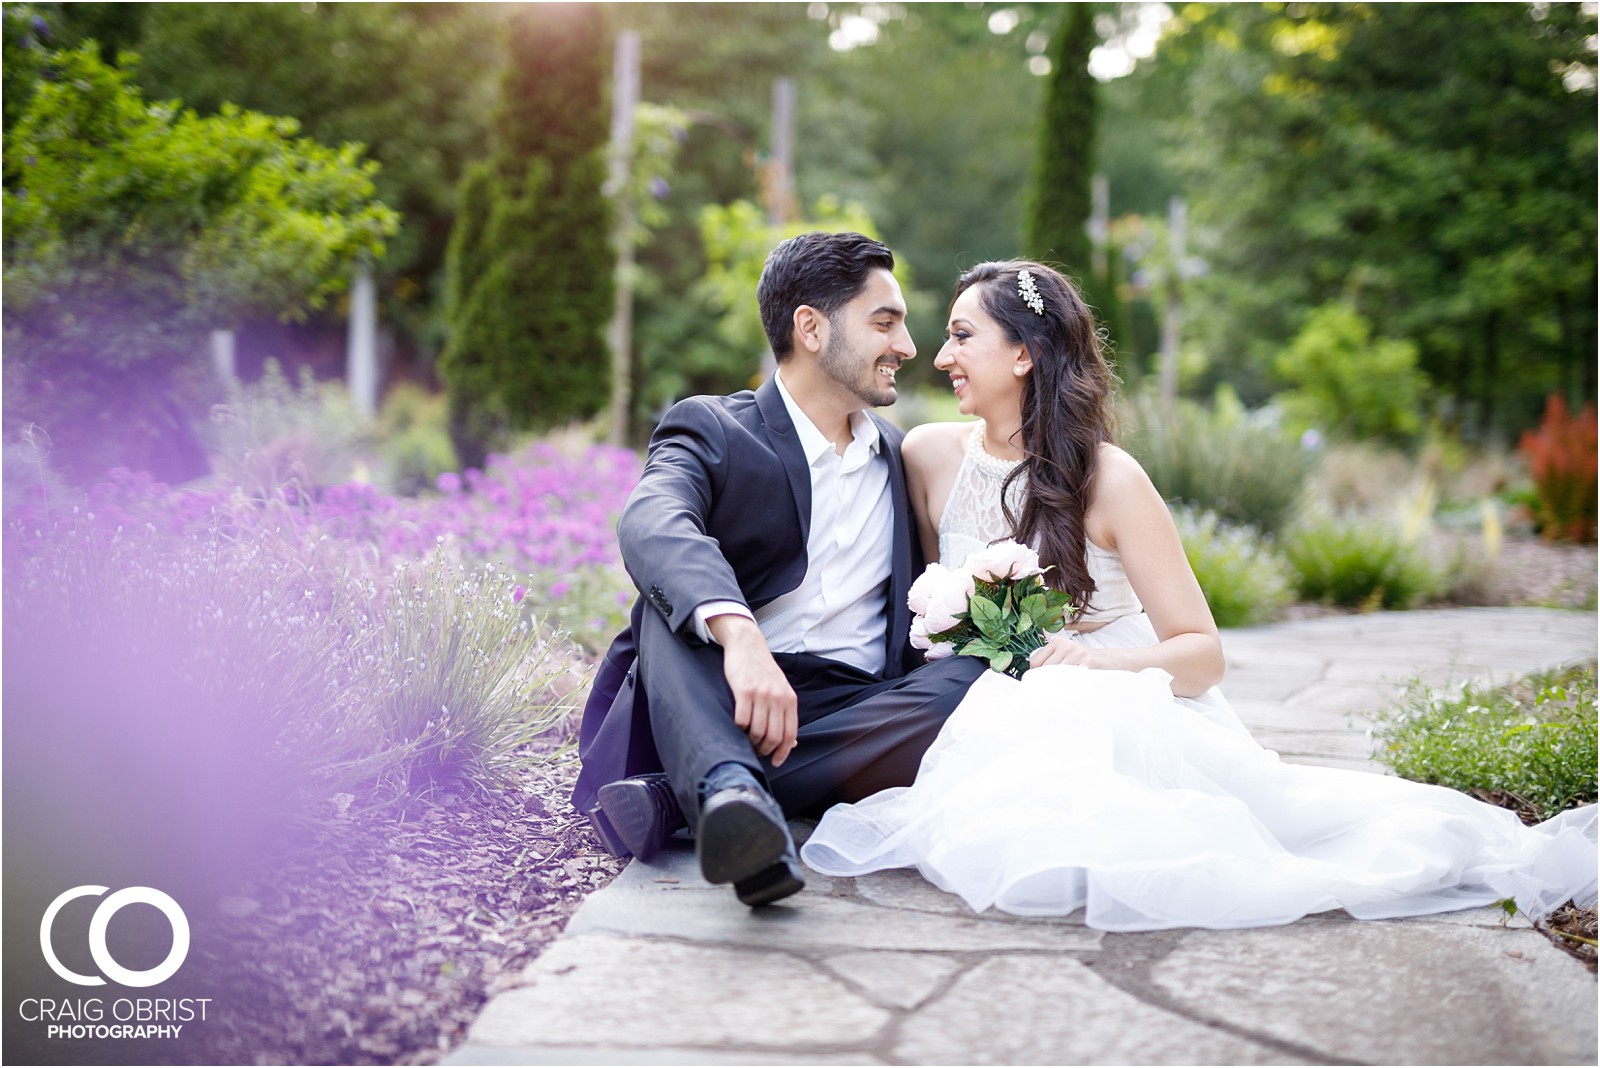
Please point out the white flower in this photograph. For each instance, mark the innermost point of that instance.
(940, 650)
(1005, 559)
(922, 589)
(939, 595)
(919, 633)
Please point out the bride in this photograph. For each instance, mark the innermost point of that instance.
(1113, 776)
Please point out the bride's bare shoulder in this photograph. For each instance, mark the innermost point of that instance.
(1119, 478)
(935, 445)
(1118, 465)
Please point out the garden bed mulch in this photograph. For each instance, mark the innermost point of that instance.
(378, 939)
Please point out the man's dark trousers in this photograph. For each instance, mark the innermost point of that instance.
(858, 734)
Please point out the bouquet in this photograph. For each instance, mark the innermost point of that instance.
(995, 605)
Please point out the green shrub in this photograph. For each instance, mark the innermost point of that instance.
(1225, 460)
(1358, 563)
(529, 288)
(414, 438)
(1529, 745)
(134, 227)
(1347, 382)
(1244, 579)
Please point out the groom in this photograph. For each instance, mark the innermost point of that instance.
(766, 669)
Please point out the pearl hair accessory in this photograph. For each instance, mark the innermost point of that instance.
(1029, 292)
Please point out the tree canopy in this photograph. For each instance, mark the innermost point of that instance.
(1431, 165)
(134, 227)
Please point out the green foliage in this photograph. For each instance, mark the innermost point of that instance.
(1529, 745)
(1452, 201)
(1224, 460)
(25, 55)
(1059, 200)
(413, 438)
(1348, 383)
(1359, 563)
(1245, 580)
(131, 226)
(529, 291)
(1561, 457)
(132, 229)
(413, 82)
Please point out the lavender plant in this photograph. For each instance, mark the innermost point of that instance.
(460, 674)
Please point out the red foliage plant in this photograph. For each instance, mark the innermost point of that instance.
(1561, 457)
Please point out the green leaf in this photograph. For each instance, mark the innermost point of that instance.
(988, 618)
(1001, 660)
(979, 647)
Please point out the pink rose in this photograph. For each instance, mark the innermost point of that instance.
(1005, 559)
(922, 589)
(940, 594)
(919, 633)
(920, 640)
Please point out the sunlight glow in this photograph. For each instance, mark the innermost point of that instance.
(1133, 37)
(1003, 21)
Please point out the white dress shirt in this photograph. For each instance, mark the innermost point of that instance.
(839, 609)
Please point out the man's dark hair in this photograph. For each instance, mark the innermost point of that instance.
(825, 271)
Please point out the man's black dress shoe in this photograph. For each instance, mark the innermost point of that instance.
(743, 839)
(643, 813)
(774, 884)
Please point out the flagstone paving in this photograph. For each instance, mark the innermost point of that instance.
(660, 968)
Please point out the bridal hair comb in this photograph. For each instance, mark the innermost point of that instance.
(1029, 292)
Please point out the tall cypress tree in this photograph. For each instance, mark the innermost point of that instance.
(1059, 203)
(529, 285)
(1061, 198)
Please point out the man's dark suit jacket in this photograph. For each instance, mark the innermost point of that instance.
(721, 513)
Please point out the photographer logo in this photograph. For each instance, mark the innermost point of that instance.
(98, 950)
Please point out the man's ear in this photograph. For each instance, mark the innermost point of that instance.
(810, 327)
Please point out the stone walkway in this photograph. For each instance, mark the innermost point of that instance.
(659, 968)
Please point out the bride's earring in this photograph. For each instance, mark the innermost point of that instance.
(1019, 371)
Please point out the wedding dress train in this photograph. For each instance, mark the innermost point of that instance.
(1080, 788)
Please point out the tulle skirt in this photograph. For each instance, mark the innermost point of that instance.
(1077, 788)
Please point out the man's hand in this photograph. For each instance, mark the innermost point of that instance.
(764, 704)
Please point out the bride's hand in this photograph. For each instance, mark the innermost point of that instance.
(1063, 648)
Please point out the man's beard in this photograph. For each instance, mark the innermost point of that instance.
(841, 363)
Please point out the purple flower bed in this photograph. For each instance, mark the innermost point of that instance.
(539, 511)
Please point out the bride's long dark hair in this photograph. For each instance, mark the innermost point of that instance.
(1066, 413)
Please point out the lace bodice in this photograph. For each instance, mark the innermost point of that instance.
(972, 519)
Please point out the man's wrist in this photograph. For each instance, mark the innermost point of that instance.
(705, 613)
(733, 628)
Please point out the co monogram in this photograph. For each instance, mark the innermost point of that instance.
(133, 895)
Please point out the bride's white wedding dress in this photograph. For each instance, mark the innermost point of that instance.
(1078, 788)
